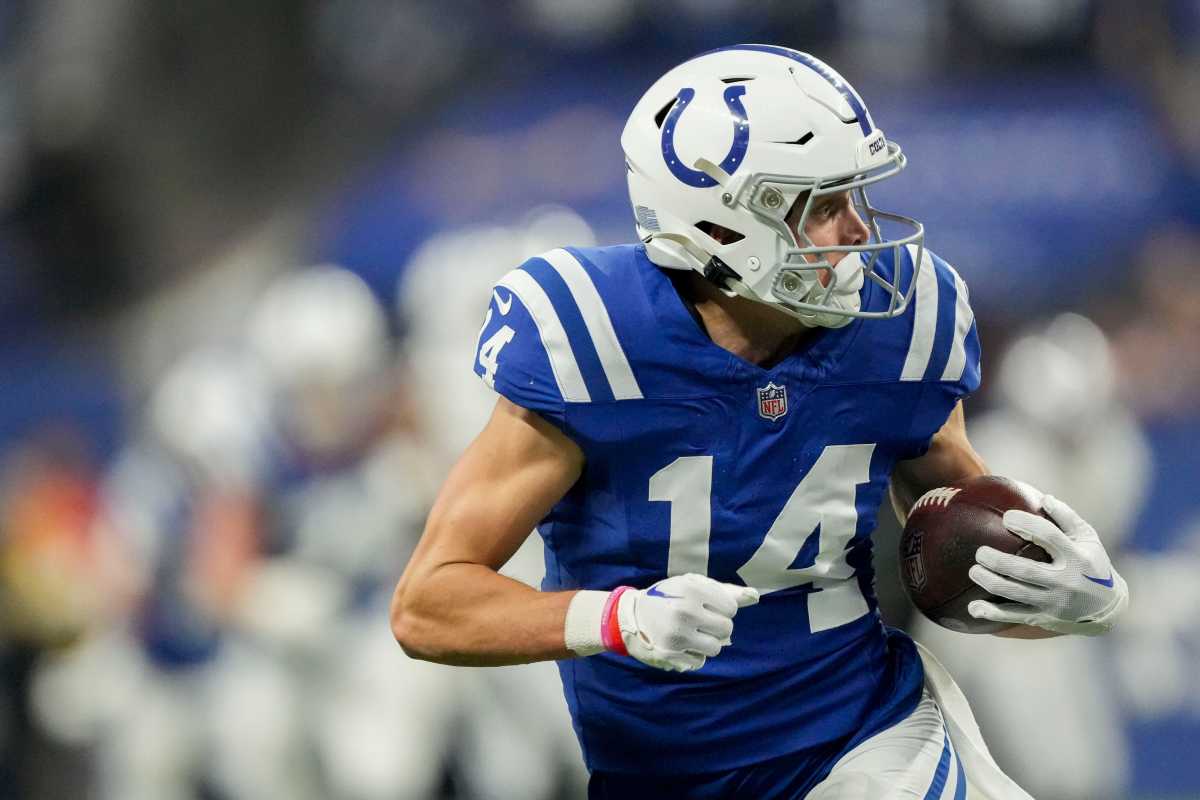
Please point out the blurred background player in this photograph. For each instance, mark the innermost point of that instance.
(274, 476)
(158, 166)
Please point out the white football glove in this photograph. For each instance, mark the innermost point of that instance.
(1078, 592)
(677, 624)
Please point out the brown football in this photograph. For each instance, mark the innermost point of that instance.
(945, 527)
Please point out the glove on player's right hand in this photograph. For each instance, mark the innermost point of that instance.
(676, 624)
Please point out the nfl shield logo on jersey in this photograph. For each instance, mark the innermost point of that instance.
(772, 401)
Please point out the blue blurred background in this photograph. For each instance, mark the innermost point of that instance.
(244, 253)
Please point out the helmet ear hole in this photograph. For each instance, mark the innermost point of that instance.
(718, 232)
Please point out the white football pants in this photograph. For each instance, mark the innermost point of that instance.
(936, 753)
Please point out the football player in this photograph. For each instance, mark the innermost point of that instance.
(702, 426)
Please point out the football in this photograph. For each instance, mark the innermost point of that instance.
(945, 527)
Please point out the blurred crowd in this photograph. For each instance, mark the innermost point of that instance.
(244, 254)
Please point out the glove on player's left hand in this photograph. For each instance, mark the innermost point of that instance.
(1077, 592)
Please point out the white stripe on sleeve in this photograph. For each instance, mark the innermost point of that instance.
(920, 347)
(554, 338)
(963, 317)
(599, 325)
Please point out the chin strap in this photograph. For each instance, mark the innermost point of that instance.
(721, 275)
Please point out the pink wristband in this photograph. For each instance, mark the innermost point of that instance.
(610, 627)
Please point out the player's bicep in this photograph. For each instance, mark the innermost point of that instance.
(503, 485)
(950, 457)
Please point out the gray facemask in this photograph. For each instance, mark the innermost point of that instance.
(843, 302)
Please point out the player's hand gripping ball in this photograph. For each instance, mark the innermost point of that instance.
(945, 529)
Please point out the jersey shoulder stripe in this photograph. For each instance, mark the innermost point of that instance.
(603, 337)
(574, 326)
(557, 342)
(944, 330)
(563, 363)
(943, 344)
(964, 318)
(925, 316)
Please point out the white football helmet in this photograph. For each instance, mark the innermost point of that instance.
(321, 339)
(732, 138)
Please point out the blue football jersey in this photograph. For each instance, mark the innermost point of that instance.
(699, 461)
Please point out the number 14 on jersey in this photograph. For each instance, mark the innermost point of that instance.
(821, 506)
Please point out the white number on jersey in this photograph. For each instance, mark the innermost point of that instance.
(686, 483)
(822, 505)
(489, 351)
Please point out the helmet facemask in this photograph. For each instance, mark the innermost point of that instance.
(795, 284)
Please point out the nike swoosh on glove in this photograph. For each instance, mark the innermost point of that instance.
(679, 623)
(1078, 592)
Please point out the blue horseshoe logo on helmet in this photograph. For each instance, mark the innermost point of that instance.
(741, 137)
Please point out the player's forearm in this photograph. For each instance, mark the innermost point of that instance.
(949, 458)
(939, 468)
(470, 615)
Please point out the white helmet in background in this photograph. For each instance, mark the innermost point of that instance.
(211, 412)
(441, 291)
(1070, 363)
(319, 324)
(731, 139)
(322, 340)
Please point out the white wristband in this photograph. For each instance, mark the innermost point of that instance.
(584, 619)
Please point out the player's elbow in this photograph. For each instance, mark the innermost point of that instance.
(406, 626)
